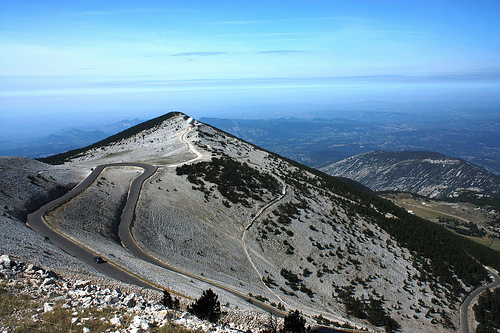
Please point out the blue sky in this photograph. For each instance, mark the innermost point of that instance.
(74, 63)
(192, 40)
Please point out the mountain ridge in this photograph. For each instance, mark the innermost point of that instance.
(424, 173)
(320, 246)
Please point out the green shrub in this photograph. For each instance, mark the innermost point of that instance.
(169, 302)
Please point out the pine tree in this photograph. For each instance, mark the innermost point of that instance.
(169, 302)
(294, 323)
(207, 306)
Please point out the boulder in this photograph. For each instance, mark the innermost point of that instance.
(31, 269)
(5, 261)
(48, 281)
(110, 299)
(164, 314)
(130, 300)
(139, 322)
(87, 301)
(47, 307)
(80, 284)
(115, 321)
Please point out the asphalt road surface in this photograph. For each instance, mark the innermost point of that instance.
(464, 324)
(37, 222)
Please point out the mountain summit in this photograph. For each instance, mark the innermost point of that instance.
(221, 212)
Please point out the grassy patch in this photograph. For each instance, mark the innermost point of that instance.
(492, 243)
(22, 313)
(433, 210)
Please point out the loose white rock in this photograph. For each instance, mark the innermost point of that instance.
(47, 307)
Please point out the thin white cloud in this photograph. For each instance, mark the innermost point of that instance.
(271, 34)
(250, 22)
(391, 32)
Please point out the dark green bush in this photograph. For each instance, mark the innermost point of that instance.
(206, 307)
(169, 302)
(294, 323)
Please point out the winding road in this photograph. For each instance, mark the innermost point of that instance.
(464, 308)
(37, 222)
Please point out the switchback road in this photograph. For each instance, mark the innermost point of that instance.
(37, 222)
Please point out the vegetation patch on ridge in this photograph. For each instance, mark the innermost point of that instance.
(235, 181)
(487, 311)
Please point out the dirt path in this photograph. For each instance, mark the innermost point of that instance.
(191, 147)
(252, 221)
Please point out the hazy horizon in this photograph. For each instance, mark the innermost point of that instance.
(81, 64)
(81, 105)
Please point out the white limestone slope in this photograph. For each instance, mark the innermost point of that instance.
(164, 145)
(323, 243)
(25, 185)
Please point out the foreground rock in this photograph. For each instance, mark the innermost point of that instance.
(85, 302)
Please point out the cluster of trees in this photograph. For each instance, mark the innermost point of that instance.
(469, 229)
(295, 282)
(293, 323)
(450, 256)
(288, 211)
(370, 309)
(235, 181)
(292, 279)
(208, 307)
(491, 201)
(466, 229)
(487, 312)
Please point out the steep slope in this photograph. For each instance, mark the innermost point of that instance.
(25, 185)
(227, 213)
(425, 173)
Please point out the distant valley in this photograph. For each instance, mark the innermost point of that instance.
(64, 140)
(467, 199)
(321, 138)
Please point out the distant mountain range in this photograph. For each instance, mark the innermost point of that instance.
(68, 139)
(319, 141)
(425, 173)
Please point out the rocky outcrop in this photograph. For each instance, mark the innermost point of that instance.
(131, 312)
